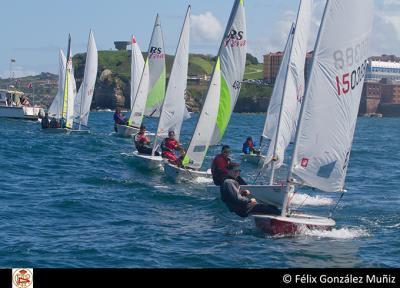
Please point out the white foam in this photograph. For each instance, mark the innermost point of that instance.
(201, 180)
(342, 233)
(304, 199)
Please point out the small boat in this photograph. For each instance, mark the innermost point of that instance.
(221, 97)
(11, 107)
(62, 107)
(173, 107)
(328, 115)
(137, 65)
(179, 174)
(150, 91)
(149, 162)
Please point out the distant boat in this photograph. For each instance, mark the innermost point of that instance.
(137, 65)
(173, 108)
(151, 89)
(11, 106)
(62, 108)
(328, 114)
(220, 100)
(83, 99)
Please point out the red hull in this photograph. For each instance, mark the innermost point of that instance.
(278, 227)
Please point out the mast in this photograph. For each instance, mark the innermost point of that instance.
(162, 106)
(288, 46)
(290, 182)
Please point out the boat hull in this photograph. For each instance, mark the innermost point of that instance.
(22, 112)
(178, 174)
(291, 225)
(253, 159)
(147, 161)
(126, 131)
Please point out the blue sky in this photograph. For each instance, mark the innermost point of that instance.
(33, 31)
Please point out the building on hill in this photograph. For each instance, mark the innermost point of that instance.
(121, 45)
(272, 63)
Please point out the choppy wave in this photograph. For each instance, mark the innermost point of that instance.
(341, 233)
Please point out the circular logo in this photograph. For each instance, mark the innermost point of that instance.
(23, 278)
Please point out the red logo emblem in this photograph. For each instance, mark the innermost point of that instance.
(22, 278)
(304, 162)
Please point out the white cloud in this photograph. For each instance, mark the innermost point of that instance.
(206, 27)
(386, 30)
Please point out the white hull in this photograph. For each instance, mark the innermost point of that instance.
(64, 130)
(148, 161)
(22, 112)
(126, 131)
(290, 225)
(253, 158)
(178, 174)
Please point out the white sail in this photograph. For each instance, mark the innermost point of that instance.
(137, 64)
(157, 80)
(56, 105)
(233, 60)
(173, 109)
(202, 135)
(84, 96)
(329, 113)
(155, 57)
(285, 101)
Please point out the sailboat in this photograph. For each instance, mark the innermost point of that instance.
(220, 100)
(137, 65)
(328, 113)
(84, 96)
(151, 89)
(173, 109)
(62, 107)
(56, 106)
(283, 109)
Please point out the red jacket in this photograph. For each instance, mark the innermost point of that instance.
(169, 145)
(219, 168)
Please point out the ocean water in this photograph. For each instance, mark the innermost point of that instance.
(82, 201)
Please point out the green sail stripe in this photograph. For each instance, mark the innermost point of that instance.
(185, 160)
(224, 110)
(157, 93)
(65, 98)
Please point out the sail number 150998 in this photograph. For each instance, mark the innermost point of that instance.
(351, 80)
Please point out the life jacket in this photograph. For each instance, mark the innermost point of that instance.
(219, 168)
(169, 145)
(140, 139)
(248, 147)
